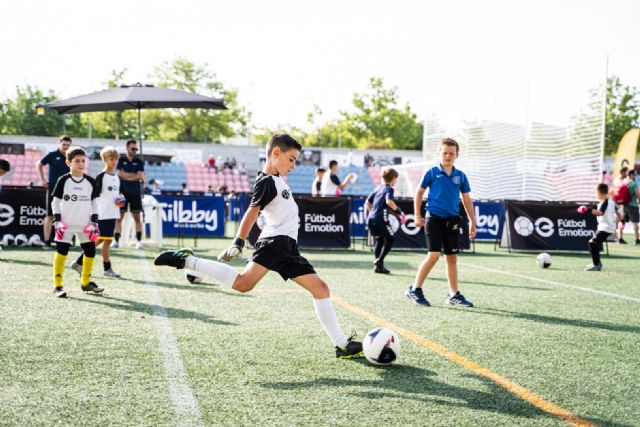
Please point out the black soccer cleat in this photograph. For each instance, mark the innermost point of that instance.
(93, 288)
(380, 269)
(352, 349)
(59, 292)
(173, 258)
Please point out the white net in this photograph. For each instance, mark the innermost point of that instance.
(541, 141)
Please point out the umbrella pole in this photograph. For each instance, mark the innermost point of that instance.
(139, 133)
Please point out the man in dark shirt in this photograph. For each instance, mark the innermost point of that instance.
(57, 161)
(131, 172)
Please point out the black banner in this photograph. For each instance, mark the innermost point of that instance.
(546, 226)
(22, 213)
(324, 223)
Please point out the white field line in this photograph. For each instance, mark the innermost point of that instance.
(553, 282)
(184, 401)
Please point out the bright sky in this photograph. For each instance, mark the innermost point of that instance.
(283, 56)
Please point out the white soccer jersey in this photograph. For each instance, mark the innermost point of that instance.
(108, 190)
(279, 210)
(607, 222)
(329, 186)
(316, 186)
(74, 199)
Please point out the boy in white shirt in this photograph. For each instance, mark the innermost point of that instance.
(109, 201)
(277, 247)
(606, 214)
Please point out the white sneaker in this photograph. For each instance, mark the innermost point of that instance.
(115, 245)
(139, 245)
(111, 273)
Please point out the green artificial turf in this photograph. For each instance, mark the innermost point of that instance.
(262, 358)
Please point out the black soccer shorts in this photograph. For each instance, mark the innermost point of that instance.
(281, 254)
(133, 202)
(443, 233)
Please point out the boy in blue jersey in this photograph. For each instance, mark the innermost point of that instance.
(442, 223)
(379, 203)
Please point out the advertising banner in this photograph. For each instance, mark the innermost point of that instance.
(324, 222)
(22, 213)
(192, 215)
(546, 226)
(488, 220)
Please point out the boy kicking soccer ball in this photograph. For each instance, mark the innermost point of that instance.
(442, 225)
(108, 194)
(75, 212)
(606, 214)
(277, 247)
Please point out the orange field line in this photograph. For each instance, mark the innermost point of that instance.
(510, 386)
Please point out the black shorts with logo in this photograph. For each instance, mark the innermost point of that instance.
(281, 254)
(133, 202)
(442, 234)
(380, 229)
(107, 228)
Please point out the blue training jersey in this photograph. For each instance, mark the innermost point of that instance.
(378, 198)
(444, 191)
(57, 166)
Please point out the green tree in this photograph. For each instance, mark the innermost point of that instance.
(376, 122)
(623, 112)
(18, 115)
(197, 125)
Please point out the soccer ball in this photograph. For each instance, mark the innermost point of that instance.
(381, 346)
(354, 178)
(543, 260)
(193, 276)
(21, 240)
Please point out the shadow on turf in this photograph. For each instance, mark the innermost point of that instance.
(202, 287)
(471, 282)
(552, 320)
(148, 309)
(409, 382)
(27, 262)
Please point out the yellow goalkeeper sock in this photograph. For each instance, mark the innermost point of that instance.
(58, 269)
(87, 266)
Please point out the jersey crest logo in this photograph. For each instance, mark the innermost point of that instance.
(285, 193)
(66, 197)
(456, 180)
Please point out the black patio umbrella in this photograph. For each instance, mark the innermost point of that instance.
(134, 97)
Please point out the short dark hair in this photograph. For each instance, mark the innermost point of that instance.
(632, 172)
(75, 152)
(65, 138)
(4, 165)
(388, 174)
(285, 141)
(603, 188)
(131, 141)
(332, 163)
(624, 169)
(451, 143)
(320, 169)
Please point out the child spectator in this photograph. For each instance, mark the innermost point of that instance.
(109, 200)
(606, 213)
(75, 212)
(379, 203)
(442, 225)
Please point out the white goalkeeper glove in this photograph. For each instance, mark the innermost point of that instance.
(233, 251)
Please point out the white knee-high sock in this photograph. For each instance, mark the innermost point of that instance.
(219, 271)
(329, 321)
